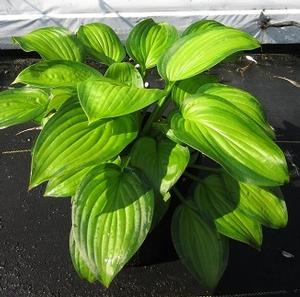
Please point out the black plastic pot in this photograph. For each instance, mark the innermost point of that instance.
(34, 231)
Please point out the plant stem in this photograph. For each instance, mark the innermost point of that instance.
(184, 201)
(159, 109)
(179, 195)
(205, 168)
(191, 176)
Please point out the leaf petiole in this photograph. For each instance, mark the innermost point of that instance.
(205, 168)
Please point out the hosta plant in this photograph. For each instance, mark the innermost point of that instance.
(118, 147)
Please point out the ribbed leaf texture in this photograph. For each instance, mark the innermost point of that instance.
(125, 73)
(201, 26)
(243, 100)
(102, 99)
(148, 40)
(69, 142)
(52, 43)
(65, 184)
(102, 43)
(197, 52)
(190, 86)
(265, 205)
(112, 214)
(79, 264)
(50, 74)
(218, 129)
(200, 247)
(162, 161)
(222, 207)
(21, 105)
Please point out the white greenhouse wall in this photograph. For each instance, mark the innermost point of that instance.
(21, 16)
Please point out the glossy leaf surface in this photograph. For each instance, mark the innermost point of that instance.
(59, 96)
(243, 100)
(190, 86)
(52, 43)
(50, 74)
(200, 247)
(21, 105)
(220, 205)
(64, 184)
(201, 26)
(69, 142)
(222, 132)
(126, 74)
(163, 162)
(79, 264)
(101, 99)
(265, 205)
(148, 40)
(101, 42)
(197, 52)
(112, 214)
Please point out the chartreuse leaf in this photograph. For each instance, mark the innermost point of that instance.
(50, 74)
(201, 26)
(200, 247)
(52, 43)
(79, 264)
(64, 184)
(101, 42)
(111, 216)
(265, 205)
(197, 52)
(213, 199)
(69, 142)
(125, 73)
(190, 86)
(21, 105)
(59, 96)
(222, 132)
(102, 99)
(148, 40)
(163, 161)
(242, 100)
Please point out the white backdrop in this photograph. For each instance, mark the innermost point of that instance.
(20, 16)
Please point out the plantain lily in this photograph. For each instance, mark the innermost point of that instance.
(120, 165)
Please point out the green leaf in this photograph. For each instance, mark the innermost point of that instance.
(197, 52)
(148, 40)
(220, 205)
(79, 264)
(58, 97)
(188, 87)
(222, 132)
(126, 74)
(102, 43)
(242, 100)
(163, 162)
(265, 205)
(69, 142)
(52, 74)
(66, 182)
(201, 26)
(21, 105)
(52, 43)
(111, 216)
(101, 99)
(200, 247)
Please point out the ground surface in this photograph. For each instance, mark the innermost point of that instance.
(34, 231)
